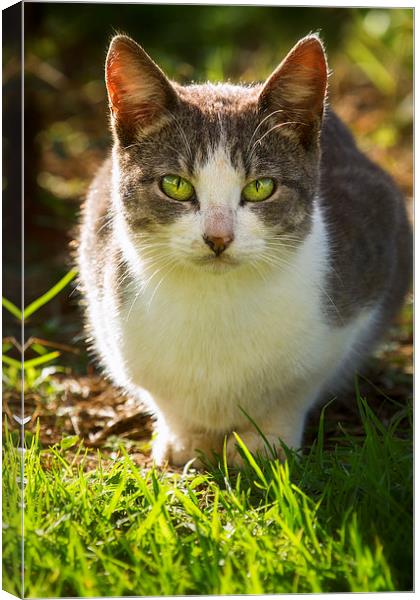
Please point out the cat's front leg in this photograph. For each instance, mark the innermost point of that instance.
(284, 423)
(178, 447)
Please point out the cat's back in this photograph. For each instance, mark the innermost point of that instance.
(369, 233)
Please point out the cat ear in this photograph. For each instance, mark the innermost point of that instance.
(139, 92)
(298, 86)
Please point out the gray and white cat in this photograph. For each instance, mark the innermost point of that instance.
(238, 253)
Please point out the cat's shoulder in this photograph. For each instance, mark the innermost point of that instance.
(345, 168)
(98, 198)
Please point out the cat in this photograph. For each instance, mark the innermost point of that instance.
(238, 254)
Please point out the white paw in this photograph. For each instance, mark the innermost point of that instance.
(177, 450)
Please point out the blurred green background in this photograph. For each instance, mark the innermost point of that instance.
(66, 124)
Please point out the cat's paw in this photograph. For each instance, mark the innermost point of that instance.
(255, 444)
(178, 451)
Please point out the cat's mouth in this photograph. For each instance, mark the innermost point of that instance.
(217, 264)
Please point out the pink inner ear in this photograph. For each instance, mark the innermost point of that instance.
(135, 91)
(309, 55)
(309, 68)
(117, 80)
(301, 79)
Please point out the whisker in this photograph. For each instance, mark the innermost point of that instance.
(174, 264)
(184, 138)
(261, 123)
(278, 126)
(144, 284)
(254, 264)
(287, 246)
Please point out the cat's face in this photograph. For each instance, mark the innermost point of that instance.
(216, 176)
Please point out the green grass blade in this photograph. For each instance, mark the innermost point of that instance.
(250, 459)
(225, 465)
(39, 349)
(190, 506)
(40, 360)
(12, 308)
(269, 447)
(151, 518)
(215, 520)
(60, 285)
(116, 497)
(12, 362)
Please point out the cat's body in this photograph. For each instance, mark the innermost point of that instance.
(221, 306)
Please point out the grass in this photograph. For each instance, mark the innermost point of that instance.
(328, 521)
(33, 368)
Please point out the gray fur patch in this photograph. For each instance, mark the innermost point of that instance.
(206, 116)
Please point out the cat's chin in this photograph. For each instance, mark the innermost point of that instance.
(217, 265)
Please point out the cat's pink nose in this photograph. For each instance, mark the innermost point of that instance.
(218, 244)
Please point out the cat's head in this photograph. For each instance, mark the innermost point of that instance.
(215, 176)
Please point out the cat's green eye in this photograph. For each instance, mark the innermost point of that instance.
(258, 190)
(177, 188)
